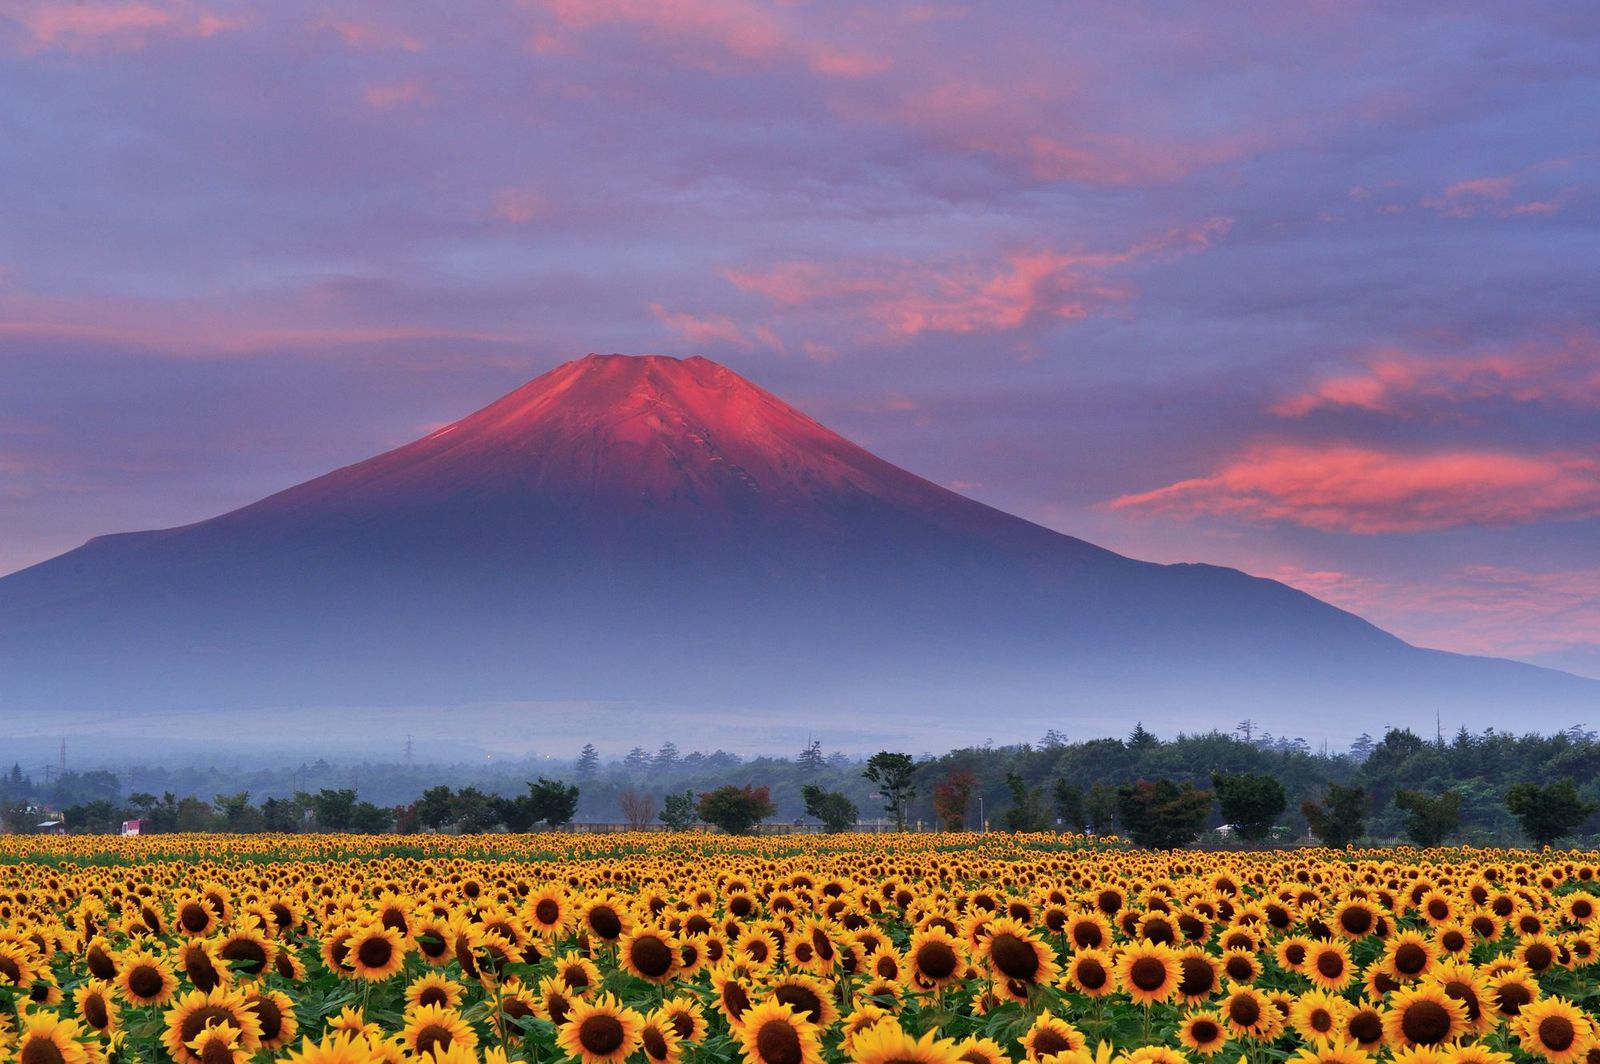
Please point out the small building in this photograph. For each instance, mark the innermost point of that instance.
(133, 827)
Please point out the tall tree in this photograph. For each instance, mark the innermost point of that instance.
(638, 807)
(1547, 813)
(1161, 815)
(678, 811)
(1250, 802)
(1101, 808)
(554, 802)
(588, 763)
(951, 797)
(811, 760)
(1069, 799)
(1430, 818)
(1026, 811)
(836, 811)
(892, 773)
(736, 810)
(1340, 818)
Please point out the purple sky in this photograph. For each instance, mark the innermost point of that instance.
(1309, 289)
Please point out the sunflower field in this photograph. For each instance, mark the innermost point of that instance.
(684, 949)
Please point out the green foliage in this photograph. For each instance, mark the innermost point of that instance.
(736, 810)
(1250, 802)
(1430, 817)
(1101, 808)
(1070, 807)
(1547, 813)
(893, 773)
(1162, 815)
(1340, 818)
(1026, 811)
(678, 812)
(553, 802)
(836, 811)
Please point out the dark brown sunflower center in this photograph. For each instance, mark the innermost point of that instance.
(101, 966)
(605, 922)
(1091, 974)
(38, 1050)
(1240, 969)
(1198, 977)
(735, 1000)
(1049, 1040)
(1321, 1021)
(1204, 1031)
(433, 1036)
(682, 1024)
(1356, 921)
(1426, 1023)
(215, 1051)
(270, 1017)
(145, 982)
(548, 911)
(516, 1008)
(1013, 957)
(1148, 974)
(778, 1042)
(94, 1010)
(1087, 935)
(375, 952)
(1366, 1027)
(1295, 954)
(1410, 959)
(194, 917)
(197, 1020)
(937, 960)
(558, 1007)
(655, 1044)
(433, 995)
(1244, 1010)
(651, 956)
(1464, 993)
(1512, 997)
(801, 1000)
(1438, 909)
(1539, 956)
(1557, 1034)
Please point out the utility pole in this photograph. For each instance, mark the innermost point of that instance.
(408, 749)
(63, 767)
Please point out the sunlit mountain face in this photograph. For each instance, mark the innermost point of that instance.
(639, 535)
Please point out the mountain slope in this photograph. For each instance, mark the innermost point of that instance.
(665, 535)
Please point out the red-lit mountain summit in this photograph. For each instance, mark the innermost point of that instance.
(663, 533)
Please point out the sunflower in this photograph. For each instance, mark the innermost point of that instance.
(275, 1012)
(435, 988)
(1554, 1030)
(1088, 931)
(1142, 1055)
(1291, 953)
(772, 1033)
(340, 1047)
(808, 996)
(1462, 982)
(732, 994)
(193, 916)
(195, 1011)
(198, 960)
(1018, 957)
(1328, 965)
(605, 920)
(146, 979)
(97, 1007)
(1200, 975)
(99, 958)
(1421, 1055)
(514, 1005)
(1437, 907)
(759, 948)
(1149, 973)
(976, 1050)
(1511, 991)
(1409, 956)
(548, 913)
(887, 1043)
(47, 1039)
(658, 1038)
(555, 1000)
(1337, 1051)
(435, 940)
(649, 954)
(351, 1021)
(1364, 1028)
(578, 974)
(860, 1020)
(687, 1017)
(1354, 919)
(218, 1044)
(1203, 1033)
(376, 953)
(1090, 972)
(1319, 1015)
(1423, 1016)
(430, 1027)
(1476, 1053)
(1050, 1035)
(1537, 952)
(935, 958)
(1249, 1014)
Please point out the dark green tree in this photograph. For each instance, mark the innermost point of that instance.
(1069, 800)
(554, 802)
(736, 810)
(1250, 802)
(588, 763)
(1026, 811)
(1340, 818)
(678, 812)
(1161, 815)
(1429, 817)
(1547, 813)
(836, 811)
(893, 774)
(515, 813)
(370, 819)
(333, 808)
(1101, 808)
(436, 807)
(282, 815)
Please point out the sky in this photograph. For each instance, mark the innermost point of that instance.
(1312, 290)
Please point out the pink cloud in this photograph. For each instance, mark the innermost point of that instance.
(704, 329)
(363, 35)
(125, 26)
(906, 298)
(1476, 609)
(708, 33)
(1476, 196)
(1365, 490)
(1406, 384)
(386, 96)
(518, 205)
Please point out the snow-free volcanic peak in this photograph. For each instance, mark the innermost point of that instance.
(665, 535)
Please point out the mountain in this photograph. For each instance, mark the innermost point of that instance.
(660, 547)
